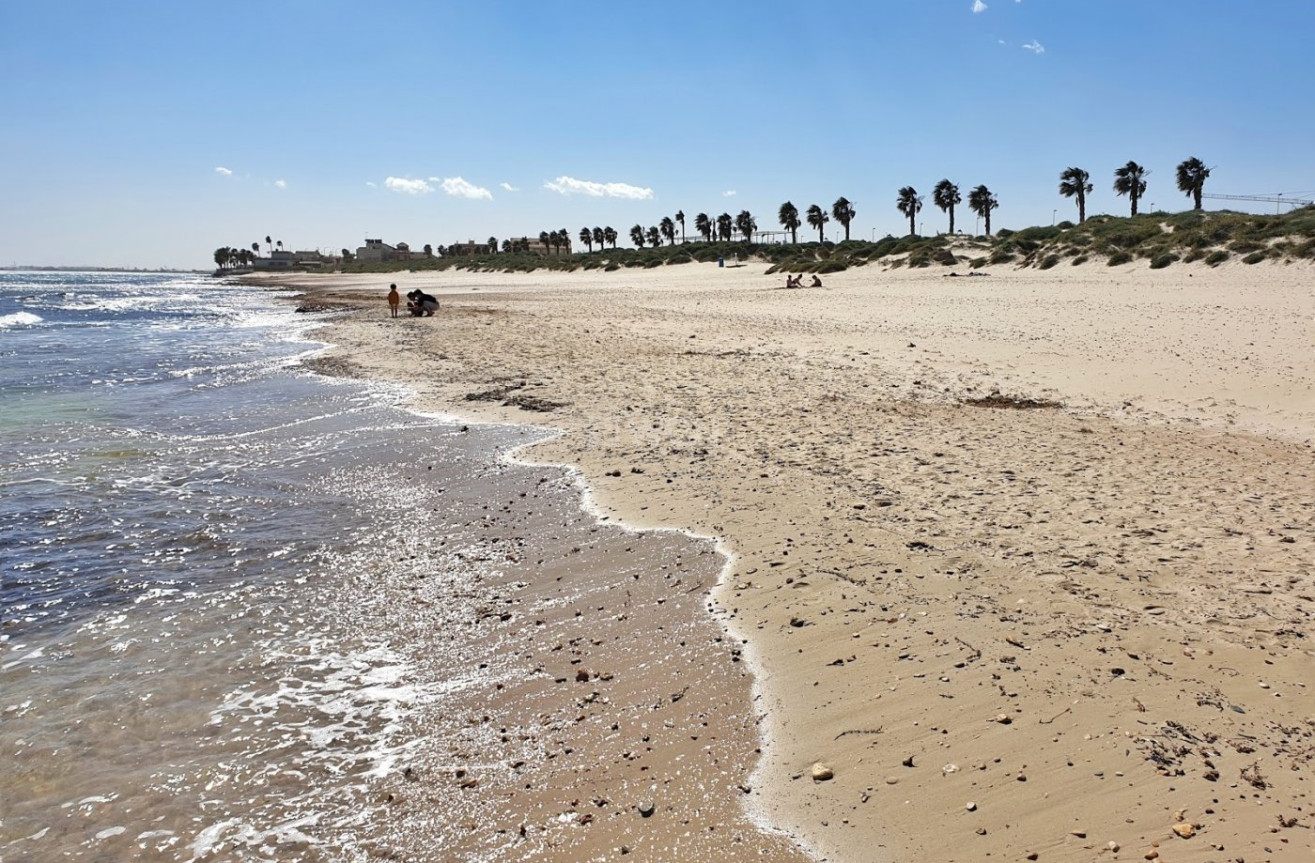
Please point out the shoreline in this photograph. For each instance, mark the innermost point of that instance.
(991, 574)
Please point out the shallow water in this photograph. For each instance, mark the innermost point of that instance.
(225, 579)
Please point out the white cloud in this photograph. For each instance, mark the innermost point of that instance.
(281, 184)
(371, 184)
(570, 186)
(459, 188)
(729, 193)
(224, 171)
(408, 187)
(1035, 47)
(509, 187)
(978, 6)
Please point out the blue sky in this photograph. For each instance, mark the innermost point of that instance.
(147, 133)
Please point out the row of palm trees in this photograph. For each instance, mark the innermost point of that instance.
(1130, 180)
(946, 197)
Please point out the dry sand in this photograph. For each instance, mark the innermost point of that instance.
(1059, 632)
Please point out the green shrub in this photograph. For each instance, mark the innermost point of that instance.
(1002, 256)
(1255, 257)
(1159, 262)
(1004, 233)
(1079, 260)
(977, 263)
(833, 265)
(1193, 256)
(1065, 225)
(612, 267)
(1242, 247)
(1048, 261)
(1119, 258)
(1217, 257)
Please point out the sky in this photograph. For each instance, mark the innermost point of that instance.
(146, 133)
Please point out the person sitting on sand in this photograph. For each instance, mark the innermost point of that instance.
(794, 281)
(394, 300)
(426, 303)
(815, 283)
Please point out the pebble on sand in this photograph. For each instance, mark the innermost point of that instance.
(822, 773)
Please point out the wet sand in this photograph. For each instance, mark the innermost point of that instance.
(1025, 561)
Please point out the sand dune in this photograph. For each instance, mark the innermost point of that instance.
(1027, 561)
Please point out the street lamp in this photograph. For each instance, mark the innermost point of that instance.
(1053, 215)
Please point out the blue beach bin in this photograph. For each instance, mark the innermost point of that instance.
(721, 262)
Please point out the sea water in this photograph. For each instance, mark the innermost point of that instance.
(206, 552)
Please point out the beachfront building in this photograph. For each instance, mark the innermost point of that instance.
(470, 247)
(277, 260)
(376, 251)
(537, 246)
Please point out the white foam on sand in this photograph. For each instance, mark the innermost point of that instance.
(753, 804)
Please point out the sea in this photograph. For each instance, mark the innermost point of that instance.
(209, 565)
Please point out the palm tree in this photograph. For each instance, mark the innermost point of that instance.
(745, 224)
(493, 245)
(817, 218)
(654, 236)
(255, 247)
(1130, 180)
(982, 202)
(222, 256)
(703, 225)
(788, 216)
(429, 250)
(724, 227)
(844, 212)
(609, 234)
(599, 237)
(946, 196)
(587, 237)
(680, 217)
(269, 244)
(909, 204)
(1075, 183)
(1191, 179)
(545, 239)
(637, 236)
(668, 229)
(280, 245)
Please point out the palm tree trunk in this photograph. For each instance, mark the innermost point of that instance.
(988, 223)
(1082, 208)
(951, 221)
(912, 226)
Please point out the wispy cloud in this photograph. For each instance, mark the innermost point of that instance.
(1035, 47)
(978, 6)
(404, 186)
(280, 184)
(509, 187)
(570, 186)
(372, 184)
(459, 188)
(224, 171)
(729, 193)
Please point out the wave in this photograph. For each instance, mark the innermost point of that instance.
(19, 319)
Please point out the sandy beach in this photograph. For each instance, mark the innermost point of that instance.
(1019, 566)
